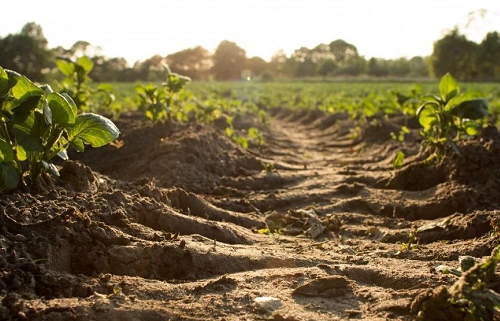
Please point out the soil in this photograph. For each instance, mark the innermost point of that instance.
(176, 222)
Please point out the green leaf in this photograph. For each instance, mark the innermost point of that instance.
(78, 144)
(471, 109)
(93, 129)
(9, 175)
(24, 88)
(47, 113)
(448, 87)
(427, 116)
(13, 77)
(4, 83)
(470, 127)
(62, 111)
(21, 153)
(85, 63)
(26, 106)
(6, 152)
(461, 98)
(71, 102)
(398, 159)
(66, 66)
(28, 131)
(105, 87)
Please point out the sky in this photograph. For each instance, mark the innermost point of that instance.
(137, 30)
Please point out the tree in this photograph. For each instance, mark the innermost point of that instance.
(488, 59)
(327, 67)
(27, 52)
(418, 67)
(256, 65)
(456, 55)
(193, 62)
(342, 51)
(377, 67)
(151, 69)
(399, 67)
(229, 61)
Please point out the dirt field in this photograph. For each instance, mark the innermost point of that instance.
(165, 225)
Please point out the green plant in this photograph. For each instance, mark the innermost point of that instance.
(447, 117)
(398, 160)
(37, 125)
(160, 103)
(76, 84)
(412, 241)
(469, 298)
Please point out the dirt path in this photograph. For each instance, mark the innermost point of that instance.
(337, 214)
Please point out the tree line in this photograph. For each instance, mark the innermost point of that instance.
(27, 52)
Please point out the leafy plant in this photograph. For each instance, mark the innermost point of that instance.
(160, 103)
(468, 299)
(37, 125)
(412, 241)
(76, 84)
(447, 117)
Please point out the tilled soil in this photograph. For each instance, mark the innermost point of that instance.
(176, 222)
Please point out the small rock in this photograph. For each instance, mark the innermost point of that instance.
(267, 303)
(466, 262)
(315, 231)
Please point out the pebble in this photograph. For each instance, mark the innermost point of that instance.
(267, 303)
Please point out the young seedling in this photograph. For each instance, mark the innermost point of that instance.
(447, 117)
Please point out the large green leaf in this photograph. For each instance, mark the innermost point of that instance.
(26, 106)
(6, 152)
(13, 77)
(28, 131)
(71, 102)
(93, 129)
(426, 115)
(24, 88)
(448, 87)
(85, 63)
(62, 111)
(461, 98)
(66, 66)
(9, 175)
(471, 109)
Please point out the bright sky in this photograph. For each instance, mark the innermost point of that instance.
(137, 30)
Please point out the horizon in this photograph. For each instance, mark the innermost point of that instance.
(373, 33)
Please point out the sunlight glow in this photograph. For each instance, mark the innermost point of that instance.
(137, 30)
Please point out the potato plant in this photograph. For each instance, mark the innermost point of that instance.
(37, 124)
(161, 103)
(76, 84)
(448, 117)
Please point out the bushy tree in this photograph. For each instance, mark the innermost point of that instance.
(455, 54)
(27, 52)
(193, 62)
(229, 61)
